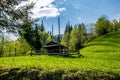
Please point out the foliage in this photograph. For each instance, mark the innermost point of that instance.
(102, 26)
(38, 74)
(67, 35)
(15, 48)
(66, 39)
(74, 38)
(3, 39)
(68, 28)
(1, 50)
(35, 37)
(45, 37)
(12, 16)
(77, 37)
(22, 46)
(115, 25)
(27, 32)
(38, 44)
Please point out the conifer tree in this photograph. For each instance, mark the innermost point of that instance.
(66, 37)
(42, 26)
(38, 44)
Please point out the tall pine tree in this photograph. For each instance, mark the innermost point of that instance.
(68, 28)
(42, 26)
(38, 44)
(66, 37)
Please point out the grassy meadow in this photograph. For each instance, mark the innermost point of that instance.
(102, 53)
(98, 60)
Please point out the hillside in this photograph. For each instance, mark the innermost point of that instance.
(104, 51)
(106, 47)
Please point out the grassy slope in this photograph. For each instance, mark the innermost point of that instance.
(102, 53)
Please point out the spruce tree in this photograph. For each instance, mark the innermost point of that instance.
(66, 37)
(42, 26)
(38, 44)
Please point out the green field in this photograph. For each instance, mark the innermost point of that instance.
(102, 53)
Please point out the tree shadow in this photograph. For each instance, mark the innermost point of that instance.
(69, 56)
(74, 56)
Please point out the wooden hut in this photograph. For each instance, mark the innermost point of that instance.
(54, 48)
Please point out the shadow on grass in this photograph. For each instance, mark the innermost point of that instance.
(74, 56)
(69, 56)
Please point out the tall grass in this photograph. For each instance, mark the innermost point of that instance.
(56, 62)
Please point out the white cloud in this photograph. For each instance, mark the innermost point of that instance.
(43, 8)
(62, 2)
(62, 9)
(46, 12)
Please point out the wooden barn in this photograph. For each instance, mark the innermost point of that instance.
(55, 48)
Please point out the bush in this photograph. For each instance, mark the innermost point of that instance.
(103, 26)
(51, 75)
(38, 74)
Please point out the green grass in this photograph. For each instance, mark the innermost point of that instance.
(105, 50)
(102, 53)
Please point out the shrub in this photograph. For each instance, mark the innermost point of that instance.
(103, 26)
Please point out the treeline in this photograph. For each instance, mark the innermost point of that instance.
(104, 26)
(75, 37)
(31, 38)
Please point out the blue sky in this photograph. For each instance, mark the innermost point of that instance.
(74, 11)
(86, 11)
